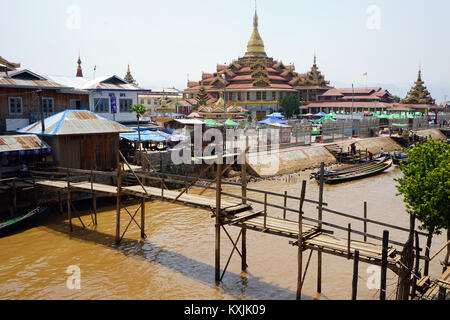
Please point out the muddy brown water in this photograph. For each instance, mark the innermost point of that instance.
(176, 261)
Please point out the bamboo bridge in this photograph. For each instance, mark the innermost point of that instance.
(305, 233)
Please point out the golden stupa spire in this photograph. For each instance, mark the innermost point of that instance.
(255, 46)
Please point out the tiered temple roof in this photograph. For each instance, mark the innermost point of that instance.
(419, 93)
(256, 71)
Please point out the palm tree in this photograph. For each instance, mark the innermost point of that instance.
(140, 110)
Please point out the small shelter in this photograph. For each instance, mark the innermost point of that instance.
(80, 139)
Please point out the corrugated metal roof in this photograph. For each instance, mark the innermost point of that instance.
(98, 83)
(46, 84)
(23, 142)
(75, 122)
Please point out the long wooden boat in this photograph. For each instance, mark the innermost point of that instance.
(363, 170)
(20, 221)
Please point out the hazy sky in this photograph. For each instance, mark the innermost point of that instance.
(164, 41)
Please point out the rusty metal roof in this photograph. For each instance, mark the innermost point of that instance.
(75, 122)
(17, 143)
(44, 84)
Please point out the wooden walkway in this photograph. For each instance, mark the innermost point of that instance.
(443, 282)
(165, 195)
(314, 238)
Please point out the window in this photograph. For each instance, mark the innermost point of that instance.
(258, 95)
(101, 105)
(125, 105)
(142, 101)
(149, 101)
(239, 96)
(248, 96)
(47, 105)
(15, 105)
(274, 95)
(264, 95)
(76, 104)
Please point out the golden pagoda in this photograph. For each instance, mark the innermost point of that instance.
(255, 46)
(254, 82)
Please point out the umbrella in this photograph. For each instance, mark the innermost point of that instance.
(272, 120)
(320, 114)
(308, 115)
(212, 123)
(327, 117)
(231, 123)
(276, 115)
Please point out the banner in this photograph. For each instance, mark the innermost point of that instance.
(113, 100)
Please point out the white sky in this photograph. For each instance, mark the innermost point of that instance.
(164, 41)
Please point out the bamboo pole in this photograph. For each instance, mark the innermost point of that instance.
(218, 209)
(427, 254)
(349, 241)
(119, 187)
(265, 210)
(320, 207)
(384, 265)
(365, 220)
(416, 268)
(69, 212)
(300, 244)
(244, 201)
(142, 218)
(355, 275)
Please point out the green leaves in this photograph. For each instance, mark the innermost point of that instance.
(425, 184)
(139, 109)
(290, 105)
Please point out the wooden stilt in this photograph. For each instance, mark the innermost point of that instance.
(142, 218)
(244, 250)
(265, 210)
(349, 240)
(355, 275)
(285, 205)
(119, 186)
(69, 212)
(319, 253)
(300, 243)
(416, 268)
(244, 201)
(218, 222)
(427, 254)
(384, 265)
(94, 199)
(365, 222)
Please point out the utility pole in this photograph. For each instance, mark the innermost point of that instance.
(41, 110)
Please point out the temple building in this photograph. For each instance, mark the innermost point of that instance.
(255, 82)
(160, 102)
(79, 70)
(419, 93)
(129, 78)
(351, 99)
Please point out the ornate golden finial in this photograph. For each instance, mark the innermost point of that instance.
(255, 46)
(79, 70)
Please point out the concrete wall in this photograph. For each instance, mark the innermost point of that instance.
(295, 159)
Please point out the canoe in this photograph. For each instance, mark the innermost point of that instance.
(18, 221)
(398, 157)
(366, 169)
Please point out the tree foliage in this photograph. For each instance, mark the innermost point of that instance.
(139, 109)
(425, 184)
(290, 105)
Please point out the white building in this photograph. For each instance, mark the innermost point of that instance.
(109, 96)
